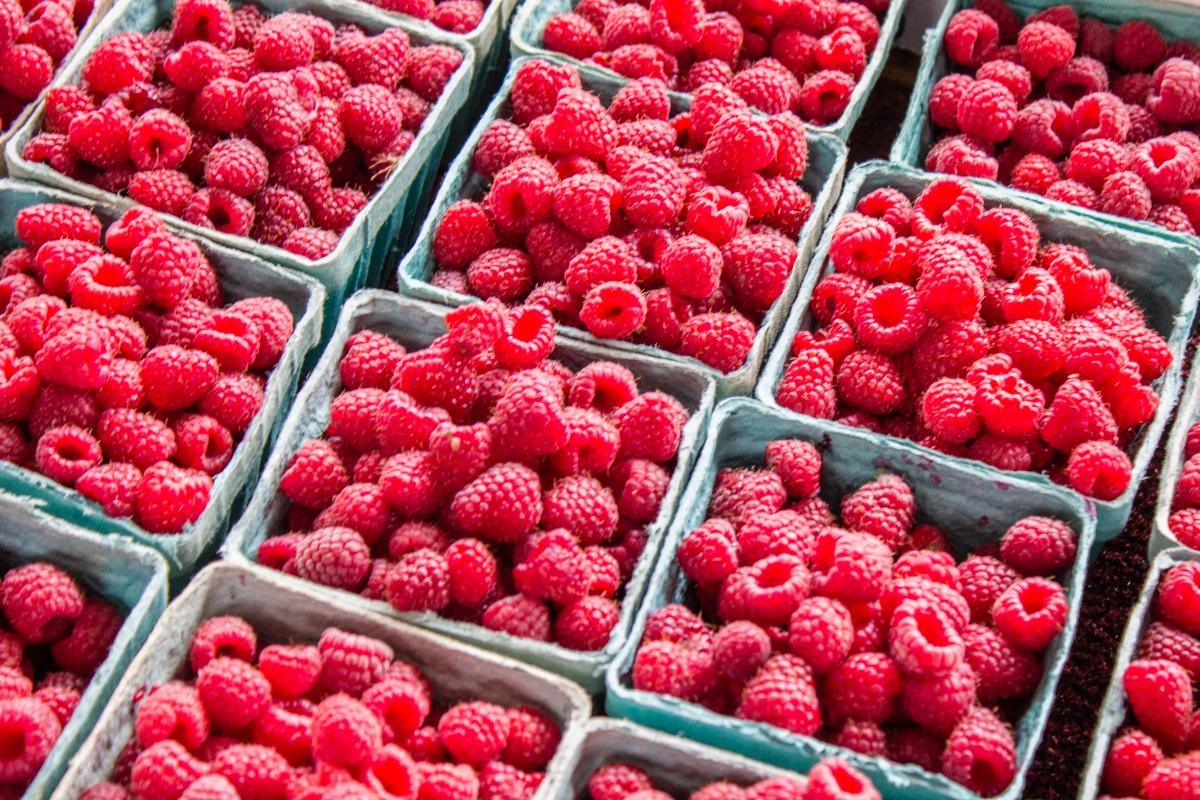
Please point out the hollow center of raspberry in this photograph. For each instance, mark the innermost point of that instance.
(932, 630)
(526, 327)
(1035, 599)
(983, 772)
(1161, 153)
(775, 575)
(71, 450)
(109, 275)
(219, 216)
(889, 309)
(394, 776)
(12, 742)
(847, 782)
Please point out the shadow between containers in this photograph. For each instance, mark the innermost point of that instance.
(1161, 272)
(285, 611)
(389, 213)
(1176, 20)
(533, 15)
(416, 324)
(241, 275)
(971, 506)
(823, 180)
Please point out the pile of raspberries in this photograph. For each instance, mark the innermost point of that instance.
(672, 231)
(456, 16)
(1074, 110)
(278, 128)
(340, 719)
(1185, 503)
(56, 634)
(35, 37)
(829, 779)
(483, 480)
(863, 631)
(955, 326)
(804, 57)
(1158, 756)
(122, 372)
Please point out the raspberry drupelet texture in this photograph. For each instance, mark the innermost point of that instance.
(947, 322)
(829, 779)
(283, 135)
(307, 721)
(1101, 102)
(480, 479)
(132, 377)
(627, 222)
(59, 633)
(857, 628)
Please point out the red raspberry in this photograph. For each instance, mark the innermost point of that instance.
(971, 38)
(484, 507)
(1031, 612)
(767, 592)
(850, 566)
(1038, 546)
(1174, 95)
(1162, 641)
(519, 615)
(984, 579)
(1138, 46)
(980, 752)
(420, 581)
(65, 453)
(864, 687)
(782, 694)
(1159, 693)
(536, 87)
(345, 732)
(172, 711)
(1178, 597)
(987, 111)
(352, 662)
(618, 781)
(165, 770)
(870, 382)
(587, 623)
(532, 739)
(1173, 777)
(723, 341)
(1077, 415)
(41, 602)
(1044, 46)
(1167, 167)
(883, 508)
(1131, 757)
(336, 557)
(233, 692)
(821, 631)
(230, 637)
(1099, 469)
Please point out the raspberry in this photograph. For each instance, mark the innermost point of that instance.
(47, 222)
(1159, 692)
(532, 739)
(949, 286)
(850, 566)
(939, 702)
(65, 453)
(1012, 76)
(721, 340)
(1173, 777)
(889, 318)
(519, 615)
(226, 637)
(987, 111)
(1091, 162)
(1178, 597)
(971, 38)
(1038, 546)
(485, 506)
(739, 145)
(1077, 415)
(164, 770)
(1167, 168)
(865, 686)
(617, 781)
(336, 557)
(870, 382)
(821, 631)
(767, 592)
(1099, 469)
(345, 732)
(1138, 46)
(571, 35)
(1175, 93)
(351, 662)
(948, 410)
(1044, 46)
(1034, 173)
(233, 692)
(1130, 759)
(782, 694)
(587, 624)
(536, 87)
(41, 602)
(1162, 641)
(86, 647)
(1031, 612)
(420, 581)
(980, 753)
(1100, 115)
